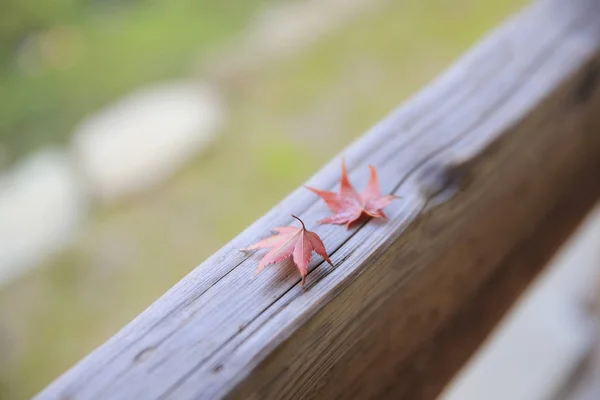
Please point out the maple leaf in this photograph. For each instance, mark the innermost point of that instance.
(296, 242)
(349, 205)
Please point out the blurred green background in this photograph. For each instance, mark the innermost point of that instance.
(62, 60)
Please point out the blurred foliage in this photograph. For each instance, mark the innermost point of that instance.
(19, 18)
(76, 56)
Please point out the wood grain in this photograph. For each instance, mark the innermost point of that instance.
(496, 161)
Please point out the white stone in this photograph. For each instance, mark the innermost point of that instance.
(290, 26)
(41, 206)
(142, 139)
(283, 29)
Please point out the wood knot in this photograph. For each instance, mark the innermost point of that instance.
(440, 180)
(144, 354)
(586, 87)
(218, 368)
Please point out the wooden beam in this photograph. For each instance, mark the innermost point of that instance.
(497, 161)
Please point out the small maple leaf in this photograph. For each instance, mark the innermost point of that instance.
(296, 242)
(349, 205)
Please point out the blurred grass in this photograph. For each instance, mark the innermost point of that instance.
(285, 122)
(80, 66)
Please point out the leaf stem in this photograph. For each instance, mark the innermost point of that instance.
(303, 227)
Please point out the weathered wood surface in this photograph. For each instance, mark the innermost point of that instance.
(512, 130)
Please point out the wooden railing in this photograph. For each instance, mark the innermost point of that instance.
(496, 161)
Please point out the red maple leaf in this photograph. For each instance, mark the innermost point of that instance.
(349, 205)
(296, 242)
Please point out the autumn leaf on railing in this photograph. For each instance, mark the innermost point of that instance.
(349, 205)
(296, 242)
